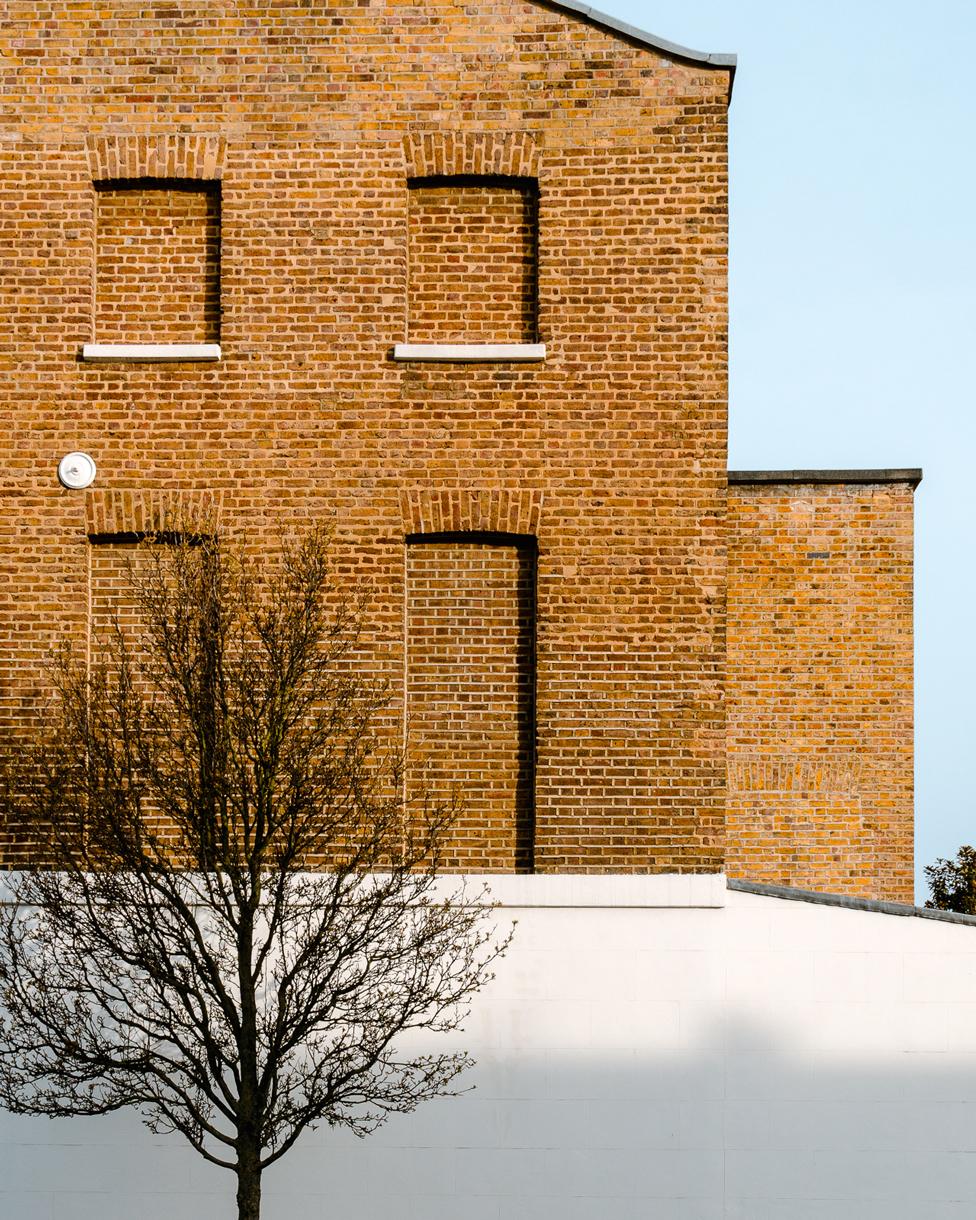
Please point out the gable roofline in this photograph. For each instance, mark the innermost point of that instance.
(707, 59)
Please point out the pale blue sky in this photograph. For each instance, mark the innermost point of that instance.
(853, 270)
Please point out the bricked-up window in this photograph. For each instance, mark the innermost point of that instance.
(472, 260)
(471, 690)
(157, 271)
(117, 562)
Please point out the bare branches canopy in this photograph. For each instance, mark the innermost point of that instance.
(237, 925)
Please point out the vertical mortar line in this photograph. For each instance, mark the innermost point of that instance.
(535, 200)
(89, 615)
(217, 187)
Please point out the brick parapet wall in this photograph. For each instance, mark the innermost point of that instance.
(820, 782)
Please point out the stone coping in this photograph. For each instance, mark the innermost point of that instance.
(844, 900)
(711, 59)
(906, 474)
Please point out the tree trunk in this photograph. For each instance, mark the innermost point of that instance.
(248, 1183)
(248, 1142)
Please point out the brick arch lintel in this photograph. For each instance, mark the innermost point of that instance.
(785, 774)
(510, 154)
(113, 512)
(471, 510)
(164, 156)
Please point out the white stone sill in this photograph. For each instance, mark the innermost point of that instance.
(469, 352)
(146, 352)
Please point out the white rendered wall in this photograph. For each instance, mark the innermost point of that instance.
(766, 1060)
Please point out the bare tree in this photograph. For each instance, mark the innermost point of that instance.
(236, 918)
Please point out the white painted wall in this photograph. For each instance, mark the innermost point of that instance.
(763, 1060)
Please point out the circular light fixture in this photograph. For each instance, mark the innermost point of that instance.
(76, 470)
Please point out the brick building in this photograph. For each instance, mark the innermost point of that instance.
(454, 279)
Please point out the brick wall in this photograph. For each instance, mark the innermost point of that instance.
(470, 628)
(820, 686)
(157, 268)
(112, 604)
(314, 133)
(472, 260)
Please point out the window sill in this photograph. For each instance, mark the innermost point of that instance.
(146, 352)
(469, 352)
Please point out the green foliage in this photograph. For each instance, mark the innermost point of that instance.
(952, 883)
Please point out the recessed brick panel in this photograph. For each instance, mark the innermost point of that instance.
(472, 260)
(115, 568)
(157, 274)
(470, 686)
(116, 614)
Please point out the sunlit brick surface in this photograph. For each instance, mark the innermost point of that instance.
(157, 277)
(315, 132)
(472, 261)
(820, 687)
(114, 606)
(470, 693)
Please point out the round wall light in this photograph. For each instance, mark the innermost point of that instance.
(76, 470)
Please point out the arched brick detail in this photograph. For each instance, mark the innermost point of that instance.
(512, 154)
(472, 510)
(141, 511)
(785, 774)
(167, 156)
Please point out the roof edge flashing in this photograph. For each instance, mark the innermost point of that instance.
(708, 59)
(900, 474)
(765, 890)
